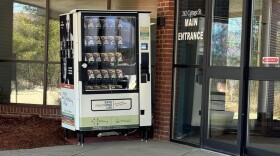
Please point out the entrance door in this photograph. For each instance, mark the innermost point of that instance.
(242, 83)
(263, 122)
(224, 76)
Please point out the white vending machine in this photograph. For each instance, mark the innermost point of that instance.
(105, 71)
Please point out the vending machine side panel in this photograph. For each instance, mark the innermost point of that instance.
(145, 69)
(68, 104)
(77, 53)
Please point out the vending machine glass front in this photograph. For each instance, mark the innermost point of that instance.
(110, 54)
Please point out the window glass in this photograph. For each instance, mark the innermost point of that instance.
(53, 44)
(22, 36)
(53, 91)
(187, 105)
(27, 83)
(187, 91)
(265, 46)
(190, 32)
(223, 110)
(226, 33)
(264, 115)
(28, 42)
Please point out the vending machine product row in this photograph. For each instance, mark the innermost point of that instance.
(105, 71)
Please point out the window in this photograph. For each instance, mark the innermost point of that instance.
(30, 71)
(187, 90)
(28, 32)
(22, 53)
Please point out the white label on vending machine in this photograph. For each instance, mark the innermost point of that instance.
(111, 104)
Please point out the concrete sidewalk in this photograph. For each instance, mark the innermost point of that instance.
(116, 148)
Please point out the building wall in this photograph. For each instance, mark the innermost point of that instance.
(29, 110)
(163, 80)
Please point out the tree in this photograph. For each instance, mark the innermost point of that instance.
(29, 44)
(53, 47)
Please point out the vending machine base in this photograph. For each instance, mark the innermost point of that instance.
(144, 133)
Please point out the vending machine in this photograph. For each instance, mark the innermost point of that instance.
(105, 70)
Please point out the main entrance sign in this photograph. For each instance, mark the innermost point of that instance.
(191, 21)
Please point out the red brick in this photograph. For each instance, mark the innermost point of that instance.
(16, 110)
(159, 46)
(20, 110)
(169, 41)
(171, 13)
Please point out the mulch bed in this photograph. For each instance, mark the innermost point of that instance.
(34, 132)
(30, 132)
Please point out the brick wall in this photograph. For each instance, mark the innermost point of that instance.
(163, 81)
(28, 110)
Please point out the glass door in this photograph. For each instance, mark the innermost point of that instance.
(242, 86)
(263, 118)
(224, 76)
(109, 52)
